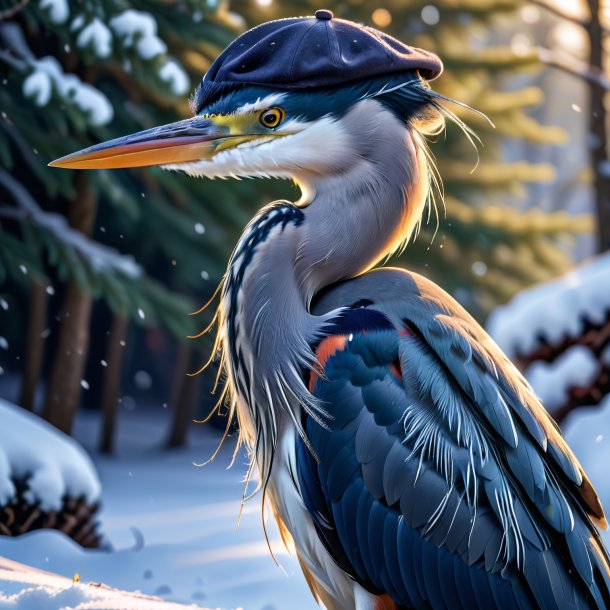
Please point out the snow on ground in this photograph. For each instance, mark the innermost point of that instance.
(553, 310)
(55, 464)
(173, 525)
(22, 588)
(551, 381)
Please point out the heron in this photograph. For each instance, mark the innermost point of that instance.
(405, 458)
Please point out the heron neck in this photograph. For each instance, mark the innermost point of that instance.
(354, 219)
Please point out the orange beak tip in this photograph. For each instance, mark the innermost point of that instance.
(184, 141)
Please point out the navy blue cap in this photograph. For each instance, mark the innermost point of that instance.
(319, 51)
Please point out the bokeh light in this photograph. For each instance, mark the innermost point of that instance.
(520, 44)
(381, 17)
(570, 37)
(530, 14)
(430, 15)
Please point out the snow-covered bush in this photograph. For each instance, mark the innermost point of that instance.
(46, 479)
(559, 333)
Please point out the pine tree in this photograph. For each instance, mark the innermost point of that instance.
(73, 75)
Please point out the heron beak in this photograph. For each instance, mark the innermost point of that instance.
(188, 140)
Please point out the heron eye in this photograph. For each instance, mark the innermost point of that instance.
(272, 117)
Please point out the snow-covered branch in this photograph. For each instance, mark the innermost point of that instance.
(46, 76)
(101, 258)
(575, 67)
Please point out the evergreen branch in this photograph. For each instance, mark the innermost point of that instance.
(575, 67)
(13, 10)
(98, 256)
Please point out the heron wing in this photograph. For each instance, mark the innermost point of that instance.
(441, 480)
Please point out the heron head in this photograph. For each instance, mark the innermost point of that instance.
(288, 98)
(258, 131)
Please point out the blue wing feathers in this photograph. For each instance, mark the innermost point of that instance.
(446, 570)
(341, 471)
(463, 585)
(377, 551)
(407, 544)
(397, 588)
(415, 554)
(444, 476)
(527, 465)
(569, 468)
(395, 479)
(480, 587)
(348, 534)
(363, 514)
(430, 572)
(371, 440)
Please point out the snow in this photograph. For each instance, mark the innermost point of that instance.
(553, 310)
(58, 10)
(22, 588)
(177, 78)
(77, 22)
(173, 526)
(98, 36)
(47, 71)
(37, 87)
(55, 464)
(577, 366)
(138, 30)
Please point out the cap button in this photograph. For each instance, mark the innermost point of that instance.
(324, 14)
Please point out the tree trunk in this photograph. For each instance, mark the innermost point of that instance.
(112, 381)
(37, 320)
(598, 138)
(185, 395)
(64, 389)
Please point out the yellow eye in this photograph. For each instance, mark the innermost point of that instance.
(272, 117)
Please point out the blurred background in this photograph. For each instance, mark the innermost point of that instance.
(99, 270)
